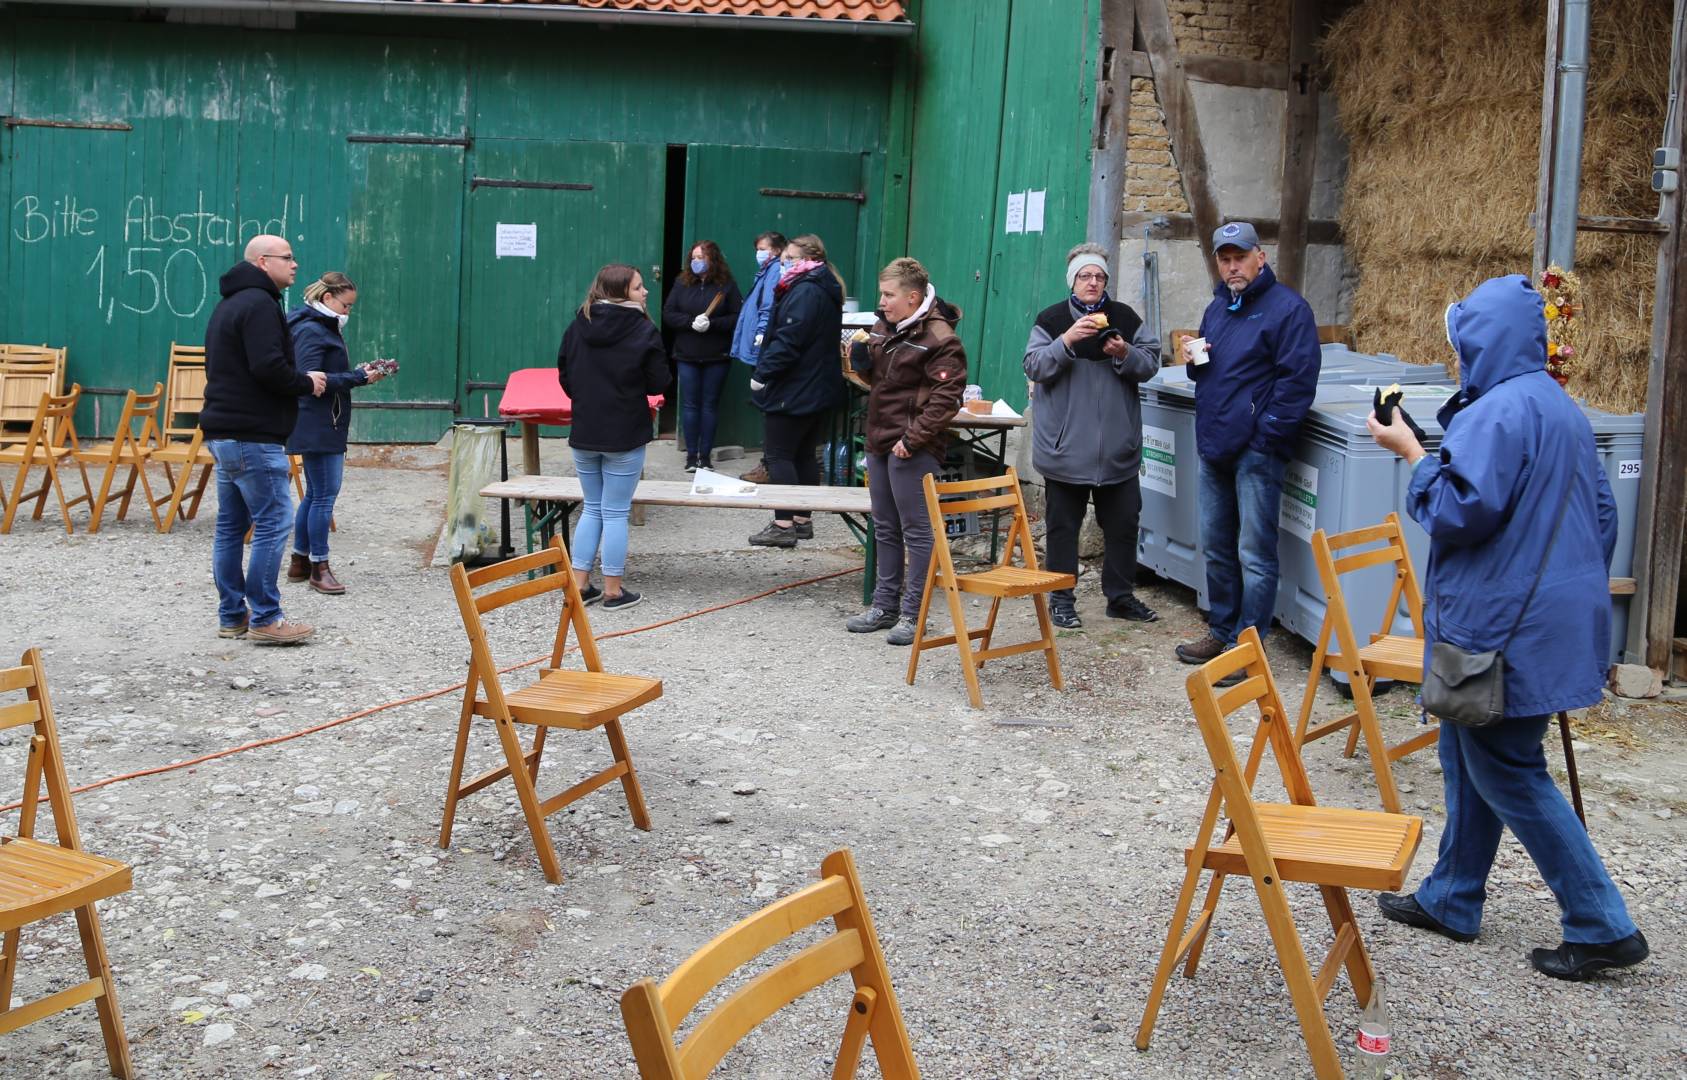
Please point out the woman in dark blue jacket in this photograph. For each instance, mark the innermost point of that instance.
(702, 311)
(319, 438)
(798, 378)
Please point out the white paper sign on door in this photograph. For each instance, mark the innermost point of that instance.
(1298, 513)
(518, 241)
(1034, 203)
(1016, 212)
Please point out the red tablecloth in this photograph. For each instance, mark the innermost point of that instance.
(535, 395)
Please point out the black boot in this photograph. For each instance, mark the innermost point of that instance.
(1577, 962)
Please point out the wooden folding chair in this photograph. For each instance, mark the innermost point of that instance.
(654, 1013)
(131, 448)
(27, 374)
(999, 582)
(1388, 656)
(50, 443)
(1334, 849)
(183, 444)
(40, 879)
(581, 700)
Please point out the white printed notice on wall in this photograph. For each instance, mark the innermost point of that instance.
(1016, 212)
(1628, 470)
(518, 241)
(1299, 511)
(1159, 460)
(1034, 201)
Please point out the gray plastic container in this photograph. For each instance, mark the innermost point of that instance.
(1339, 480)
(1169, 542)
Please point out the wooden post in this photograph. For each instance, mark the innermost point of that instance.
(1549, 131)
(1111, 135)
(1663, 485)
(1300, 144)
(1171, 82)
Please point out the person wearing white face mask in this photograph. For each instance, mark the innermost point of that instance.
(700, 313)
(758, 305)
(319, 438)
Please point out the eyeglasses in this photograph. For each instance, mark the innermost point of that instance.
(1091, 277)
(274, 255)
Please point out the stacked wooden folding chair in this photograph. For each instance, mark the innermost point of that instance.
(50, 444)
(1273, 843)
(39, 879)
(653, 1013)
(1000, 582)
(27, 374)
(183, 444)
(1397, 657)
(561, 698)
(132, 444)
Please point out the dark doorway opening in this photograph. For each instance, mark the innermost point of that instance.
(673, 261)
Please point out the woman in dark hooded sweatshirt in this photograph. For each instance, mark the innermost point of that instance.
(611, 360)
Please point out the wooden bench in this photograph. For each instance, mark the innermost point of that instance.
(550, 499)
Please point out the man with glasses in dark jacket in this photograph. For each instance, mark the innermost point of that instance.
(252, 394)
(1255, 371)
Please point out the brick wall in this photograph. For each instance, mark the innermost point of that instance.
(1242, 29)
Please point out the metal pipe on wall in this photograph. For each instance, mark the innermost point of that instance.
(1564, 208)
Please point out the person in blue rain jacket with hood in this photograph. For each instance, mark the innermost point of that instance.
(1516, 449)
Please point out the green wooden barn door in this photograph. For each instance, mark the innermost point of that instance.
(404, 250)
(542, 218)
(732, 193)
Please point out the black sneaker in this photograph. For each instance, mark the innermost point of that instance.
(1576, 962)
(1066, 618)
(871, 620)
(590, 595)
(773, 536)
(1406, 909)
(690, 464)
(1132, 609)
(626, 600)
(803, 529)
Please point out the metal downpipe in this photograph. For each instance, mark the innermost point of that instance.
(1571, 122)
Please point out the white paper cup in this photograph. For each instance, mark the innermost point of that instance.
(1195, 351)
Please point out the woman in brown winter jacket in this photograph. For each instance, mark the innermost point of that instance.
(917, 370)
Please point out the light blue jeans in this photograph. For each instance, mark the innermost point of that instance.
(608, 482)
(1495, 778)
(252, 490)
(323, 475)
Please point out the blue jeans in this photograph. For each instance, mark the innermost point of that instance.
(323, 474)
(700, 388)
(607, 481)
(252, 490)
(1495, 778)
(1240, 501)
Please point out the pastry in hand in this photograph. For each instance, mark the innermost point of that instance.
(859, 337)
(1098, 320)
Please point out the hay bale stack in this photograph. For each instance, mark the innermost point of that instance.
(1441, 104)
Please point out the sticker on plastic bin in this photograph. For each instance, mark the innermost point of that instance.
(1299, 510)
(1628, 470)
(1159, 460)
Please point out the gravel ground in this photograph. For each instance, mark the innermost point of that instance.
(292, 911)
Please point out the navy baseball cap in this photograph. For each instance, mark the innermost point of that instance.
(1237, 234)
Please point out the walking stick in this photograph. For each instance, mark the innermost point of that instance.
(1570, 767)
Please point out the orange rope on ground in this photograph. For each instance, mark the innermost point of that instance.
(427, 695)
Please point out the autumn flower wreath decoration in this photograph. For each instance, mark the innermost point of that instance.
(1562, 291)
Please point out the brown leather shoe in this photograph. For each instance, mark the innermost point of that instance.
(1199, 652)
(298, 568)
(322, 579)
(280, 632)
(757, 475)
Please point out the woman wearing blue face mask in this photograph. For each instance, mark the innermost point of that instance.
(319, 438)
(758, 305)
(701, 312)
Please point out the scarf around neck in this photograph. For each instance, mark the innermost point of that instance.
(797, 270)
(1091, 309)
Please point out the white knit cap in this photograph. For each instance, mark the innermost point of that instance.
(1081, 260)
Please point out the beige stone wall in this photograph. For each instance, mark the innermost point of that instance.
(1242, 29)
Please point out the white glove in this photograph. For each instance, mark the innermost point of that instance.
(754, 385)
(700, 324)
(758, 340)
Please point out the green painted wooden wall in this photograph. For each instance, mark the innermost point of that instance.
(115, 239)
(1003, 104)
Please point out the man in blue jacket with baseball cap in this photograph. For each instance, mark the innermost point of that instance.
(1254, 382)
